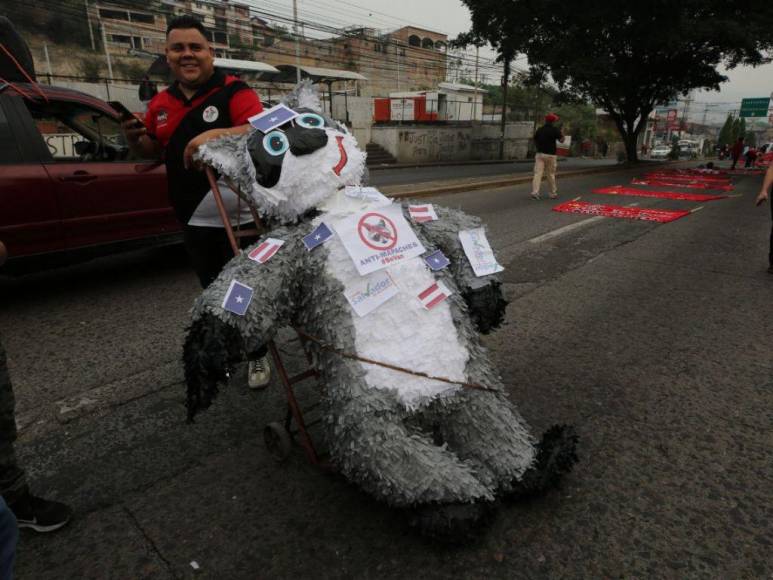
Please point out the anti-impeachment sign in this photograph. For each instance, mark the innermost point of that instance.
(378, 238)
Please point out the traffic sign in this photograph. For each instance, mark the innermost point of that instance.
(755, 107)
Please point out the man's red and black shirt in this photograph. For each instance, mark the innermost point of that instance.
(173, 120)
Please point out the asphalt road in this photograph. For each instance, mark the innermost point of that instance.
(653, 339)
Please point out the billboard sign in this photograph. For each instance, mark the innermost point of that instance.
(757, 107)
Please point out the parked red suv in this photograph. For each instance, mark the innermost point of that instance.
(69, 186)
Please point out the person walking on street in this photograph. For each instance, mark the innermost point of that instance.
(736, 152)
(751, 157)
(35, 513)
(202, 104)
(545, 159)
(762, 197)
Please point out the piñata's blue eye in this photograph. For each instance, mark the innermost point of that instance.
(276, 143)
(310, 121)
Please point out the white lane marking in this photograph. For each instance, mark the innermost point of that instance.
(700, 207)
(565, 229)
(575, 226)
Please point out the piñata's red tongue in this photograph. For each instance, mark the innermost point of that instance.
(344, 157)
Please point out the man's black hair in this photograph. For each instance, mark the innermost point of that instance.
(186, 21)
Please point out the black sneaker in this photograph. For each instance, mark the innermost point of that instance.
(770, 269)
(40, 514)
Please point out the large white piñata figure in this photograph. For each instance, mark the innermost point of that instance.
(445, 448)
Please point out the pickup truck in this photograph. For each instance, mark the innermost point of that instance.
(70, 189)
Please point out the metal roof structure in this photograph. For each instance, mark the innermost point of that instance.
(287, 74)
(236, 65)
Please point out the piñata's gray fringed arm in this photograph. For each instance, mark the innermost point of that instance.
(218, 338)
(483, 295)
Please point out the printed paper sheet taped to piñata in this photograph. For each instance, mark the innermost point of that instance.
(618, 211)
(623, 190)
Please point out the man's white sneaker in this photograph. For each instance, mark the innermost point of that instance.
(258, 373)
(535, 194)
(553, 196)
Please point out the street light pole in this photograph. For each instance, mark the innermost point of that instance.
(297, 42)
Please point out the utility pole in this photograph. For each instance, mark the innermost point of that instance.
(475, 95)
(107, 54)
(685, 113)
(91, 31)
(397, 52)
(705, 114)
(505, 82)
(297, 42)
(48, 62)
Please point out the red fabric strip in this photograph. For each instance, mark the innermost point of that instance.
(623, 190)
(691, 185)
(436, 300)
(679, 177)
(618, 211)
(428, 291)
(270, 253)
(256, 252)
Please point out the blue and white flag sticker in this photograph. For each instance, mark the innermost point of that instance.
(319, 236)
(272, 118)
(238, 298)
(437, 261)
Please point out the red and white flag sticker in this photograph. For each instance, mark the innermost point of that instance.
(265, 250)
(434, 295)
(422, 213)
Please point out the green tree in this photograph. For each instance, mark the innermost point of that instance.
(751, 138)
(726, 133)
(625, 56)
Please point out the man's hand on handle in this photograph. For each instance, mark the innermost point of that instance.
(199, 140)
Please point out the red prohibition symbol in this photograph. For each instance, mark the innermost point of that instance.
(377, 231)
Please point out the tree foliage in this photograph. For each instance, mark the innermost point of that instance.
(726, 133)
(626, 56)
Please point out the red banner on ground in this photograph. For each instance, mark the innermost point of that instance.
(618, 211)
(683, 177)
(623, 190)
(745, 171)
(686, 185)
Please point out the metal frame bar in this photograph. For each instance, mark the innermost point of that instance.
(293, 409)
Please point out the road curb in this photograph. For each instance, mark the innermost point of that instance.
(437, 188)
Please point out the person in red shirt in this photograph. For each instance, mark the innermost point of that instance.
(736, 151)
(202, 104)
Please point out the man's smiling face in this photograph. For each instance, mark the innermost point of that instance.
(190, 56)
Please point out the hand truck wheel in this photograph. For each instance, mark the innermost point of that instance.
(277, 441)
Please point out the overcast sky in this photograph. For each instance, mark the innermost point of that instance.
(452, 17)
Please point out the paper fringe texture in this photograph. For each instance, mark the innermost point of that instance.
(462, 446)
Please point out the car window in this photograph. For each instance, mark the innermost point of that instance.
(9, 150)
(76, 133)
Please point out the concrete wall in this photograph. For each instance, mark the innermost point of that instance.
(461, 142)
(360, 116)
